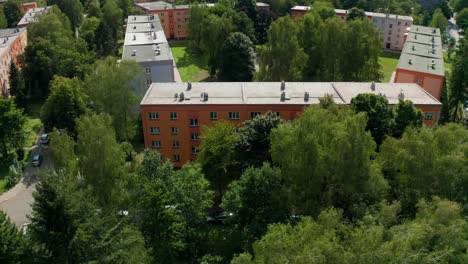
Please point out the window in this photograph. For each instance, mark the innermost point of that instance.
(399, 23)
(194, 122)
(161, 14)
(148, 82)
(162, 20)
(176, 157)
(419, 80)
(156, 144)
(429, 115)
(179, 26)
(175, 144)
(148, 70)
(277, 113)
(174, 130)
(194, 150)
(390, 26)
(234, 115)
(389, 32)
(155, 130)
(173, 115)
(254, 114)
(153, 115)
(214, 115)
(388, 38)
(194, 136)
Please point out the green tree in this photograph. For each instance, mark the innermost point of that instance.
(282, 57)
(462, 19)
(112, 17)
(17, 86)
(458, 5)
(100, 158)
(237, 59)
(12, 133)
(65, 103)
(247, 6)
(379, 115)
(311, 25)
(217, 154)
(105, 42)
(116, 89)
(3, 20)
(355, 13)
(426, 162)
(439, 20)
(63, 154)
(212, 40)
(257, 200)
(12, 241)
(94, 9)
(195, 25)
(88, 31)
(406, 115)
(13, 13)
(435, 235)
(325, 159)
(73, 10)
(324, 9)
(458, 89)
(253, 145)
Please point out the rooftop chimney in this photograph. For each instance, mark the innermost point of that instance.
(306, 96)
(283, 85)
(181, 97)
(283, 96)
(410, 61)
(401, 95)
(372, 86)
(134, 37)
(205, 96)
(189, 86)
(134, 53)
(413, 48)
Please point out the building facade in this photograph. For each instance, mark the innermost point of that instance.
(174, 113)
(146, 43)
(393, 28)
(13, 41)
(422, 60)
(174, 18)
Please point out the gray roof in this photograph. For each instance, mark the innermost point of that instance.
(423, 51)
(147, 53)
(425, 30)
(160, 5)
(33, 14)
(260, 4)
(269, 93)
(143, 27)
(8, 32)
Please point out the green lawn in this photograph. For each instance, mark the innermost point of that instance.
(190, 64)
(389, 62)
(33, 125)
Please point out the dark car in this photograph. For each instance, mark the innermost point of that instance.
(37, 160)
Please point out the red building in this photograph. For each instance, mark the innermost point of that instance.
(174, 113)
(13, 41)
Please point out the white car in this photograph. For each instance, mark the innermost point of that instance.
(45, 139)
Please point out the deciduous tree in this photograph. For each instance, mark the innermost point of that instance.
(13, 13)
(73, 10)
(12, 241)
(17, 86)
(406, 115)
(12, 134)
(237, 59)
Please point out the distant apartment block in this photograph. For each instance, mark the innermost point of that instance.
(27, 6)
(32, 15)
(146, 43)
(174, 113)
(174, 18)
(394, 28)
(13, 41)
(422, 60)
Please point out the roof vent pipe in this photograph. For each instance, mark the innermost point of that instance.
(283, 96)
(134, 53)
(372, 86)
(189, 86)
(181, 97)
(306, 96)
(401, 95)
(283, 85)
(205, 96)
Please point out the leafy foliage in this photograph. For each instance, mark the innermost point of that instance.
(12, 241)
(13, 13)
(237, 59)
(17, 86)
(12, 133)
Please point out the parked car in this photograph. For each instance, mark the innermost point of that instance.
(45, 139)
(37, 160)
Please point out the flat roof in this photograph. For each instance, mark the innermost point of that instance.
(32, 14)
(161, 5)
(143, 27)
(423, 51)
(8, 36)
(369, 14)
(147, 53)
(142, 38)
(261, 4)
(269, 93)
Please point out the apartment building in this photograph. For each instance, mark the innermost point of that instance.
(422, 60)
(393, 28)
(174, 18)
(174, 113)
(27, 6)
(32, 15)
(146, 43)
(13, 41)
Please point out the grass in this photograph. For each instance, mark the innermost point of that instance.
(190, 64)
(389, 62)
(3, 179)
(33, 126)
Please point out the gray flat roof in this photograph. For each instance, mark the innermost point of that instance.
(32, 14)
(423, 51)
(147, 53)
(261, 4)
(161, 5)
(269, 93)
(8, 32)
(143, 27)
(425, 30)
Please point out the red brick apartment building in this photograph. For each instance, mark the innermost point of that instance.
(13, 41)
(174, 18)
(422, 60)
(174, 113)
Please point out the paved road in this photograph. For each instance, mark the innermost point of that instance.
(453, 30)
(16, 202)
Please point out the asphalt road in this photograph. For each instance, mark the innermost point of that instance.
(16, 202)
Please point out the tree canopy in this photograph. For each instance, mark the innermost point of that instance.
(237, 59)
